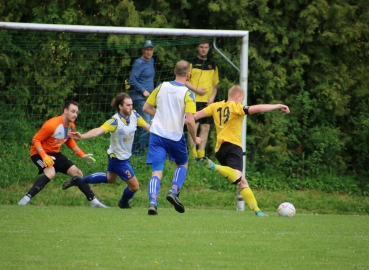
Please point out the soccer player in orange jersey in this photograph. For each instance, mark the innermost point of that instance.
(45, 154)
(228, 117)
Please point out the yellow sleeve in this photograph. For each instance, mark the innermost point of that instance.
(152, 98)
(190, 102)
(140, 121)
(110, 125)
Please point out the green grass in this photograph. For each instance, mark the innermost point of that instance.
(80, 237)
(192, 197)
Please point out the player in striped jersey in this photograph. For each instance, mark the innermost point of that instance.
(172, 104)
(45, 154)
(122, 127)
(228, 117)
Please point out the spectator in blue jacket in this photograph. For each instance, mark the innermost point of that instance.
(141, 81)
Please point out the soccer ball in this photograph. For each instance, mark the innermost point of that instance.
(286, 209)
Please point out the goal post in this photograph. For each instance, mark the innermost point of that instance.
(116, 36)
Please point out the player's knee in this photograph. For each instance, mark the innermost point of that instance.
(134, 188)
(112, 180)
(237, 181)
(133, 185)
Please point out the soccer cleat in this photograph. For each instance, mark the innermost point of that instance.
(260, 213)
(74, 181)
(124, 206)
(95, 203)
(173, 199)
(153, 210)
(24, 201)
(208, 163)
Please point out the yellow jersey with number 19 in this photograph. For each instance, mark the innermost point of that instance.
(228, 118)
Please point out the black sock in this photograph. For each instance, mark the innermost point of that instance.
(87, 190)
(40, 183)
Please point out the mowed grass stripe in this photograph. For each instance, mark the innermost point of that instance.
(61, 237)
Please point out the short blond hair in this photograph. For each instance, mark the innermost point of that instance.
(235, 90)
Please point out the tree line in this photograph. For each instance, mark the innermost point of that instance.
(309, 54)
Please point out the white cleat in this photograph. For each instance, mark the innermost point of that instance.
(24, 201)
(95, 203)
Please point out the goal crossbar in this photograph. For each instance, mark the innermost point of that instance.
(123, 30)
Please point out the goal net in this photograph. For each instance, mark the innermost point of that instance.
(42, 66)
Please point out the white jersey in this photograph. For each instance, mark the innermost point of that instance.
(172, 101)
(122, 131)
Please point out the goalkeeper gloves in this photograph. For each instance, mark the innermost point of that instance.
(46, 159)
(86, 157)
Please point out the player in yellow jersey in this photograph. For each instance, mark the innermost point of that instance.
(228, 117)
(203, 82)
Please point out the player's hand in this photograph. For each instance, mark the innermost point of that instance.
(46, 159)
(89, 159)
(285, 109)
(198, 140)
(75, 135)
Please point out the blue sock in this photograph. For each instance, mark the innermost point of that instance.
(95, 178)
(179, 178)
(153, 189)
(127, 195)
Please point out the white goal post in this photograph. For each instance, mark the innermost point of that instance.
(243, 35)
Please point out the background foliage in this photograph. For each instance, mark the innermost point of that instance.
(309, 54)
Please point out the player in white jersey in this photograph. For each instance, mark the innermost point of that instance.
(122, 127)
(172, 104)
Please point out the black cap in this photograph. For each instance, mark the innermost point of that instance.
(147, 44)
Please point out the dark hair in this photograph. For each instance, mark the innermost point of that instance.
(68, 103)
(119, 99)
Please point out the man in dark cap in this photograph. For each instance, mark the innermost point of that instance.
(141, 81)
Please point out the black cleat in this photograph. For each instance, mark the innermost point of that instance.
(124, 206)
(153, 210)
(74, 181)
(173, 199)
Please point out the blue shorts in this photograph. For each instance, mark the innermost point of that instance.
(121, 167)
(159, 148)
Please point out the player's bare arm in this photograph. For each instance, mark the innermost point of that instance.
(199, 91)
(268, 107)
(88, 135)
(149, 109)
(190, 121)
(200, 114)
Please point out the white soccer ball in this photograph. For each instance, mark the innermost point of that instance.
(286, 209)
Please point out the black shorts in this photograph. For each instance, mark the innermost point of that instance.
(230, 155)
(61, 162)
(205, 120)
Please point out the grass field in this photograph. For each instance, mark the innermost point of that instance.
(81, 237)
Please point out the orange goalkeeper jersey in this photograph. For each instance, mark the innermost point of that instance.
(52, 135)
